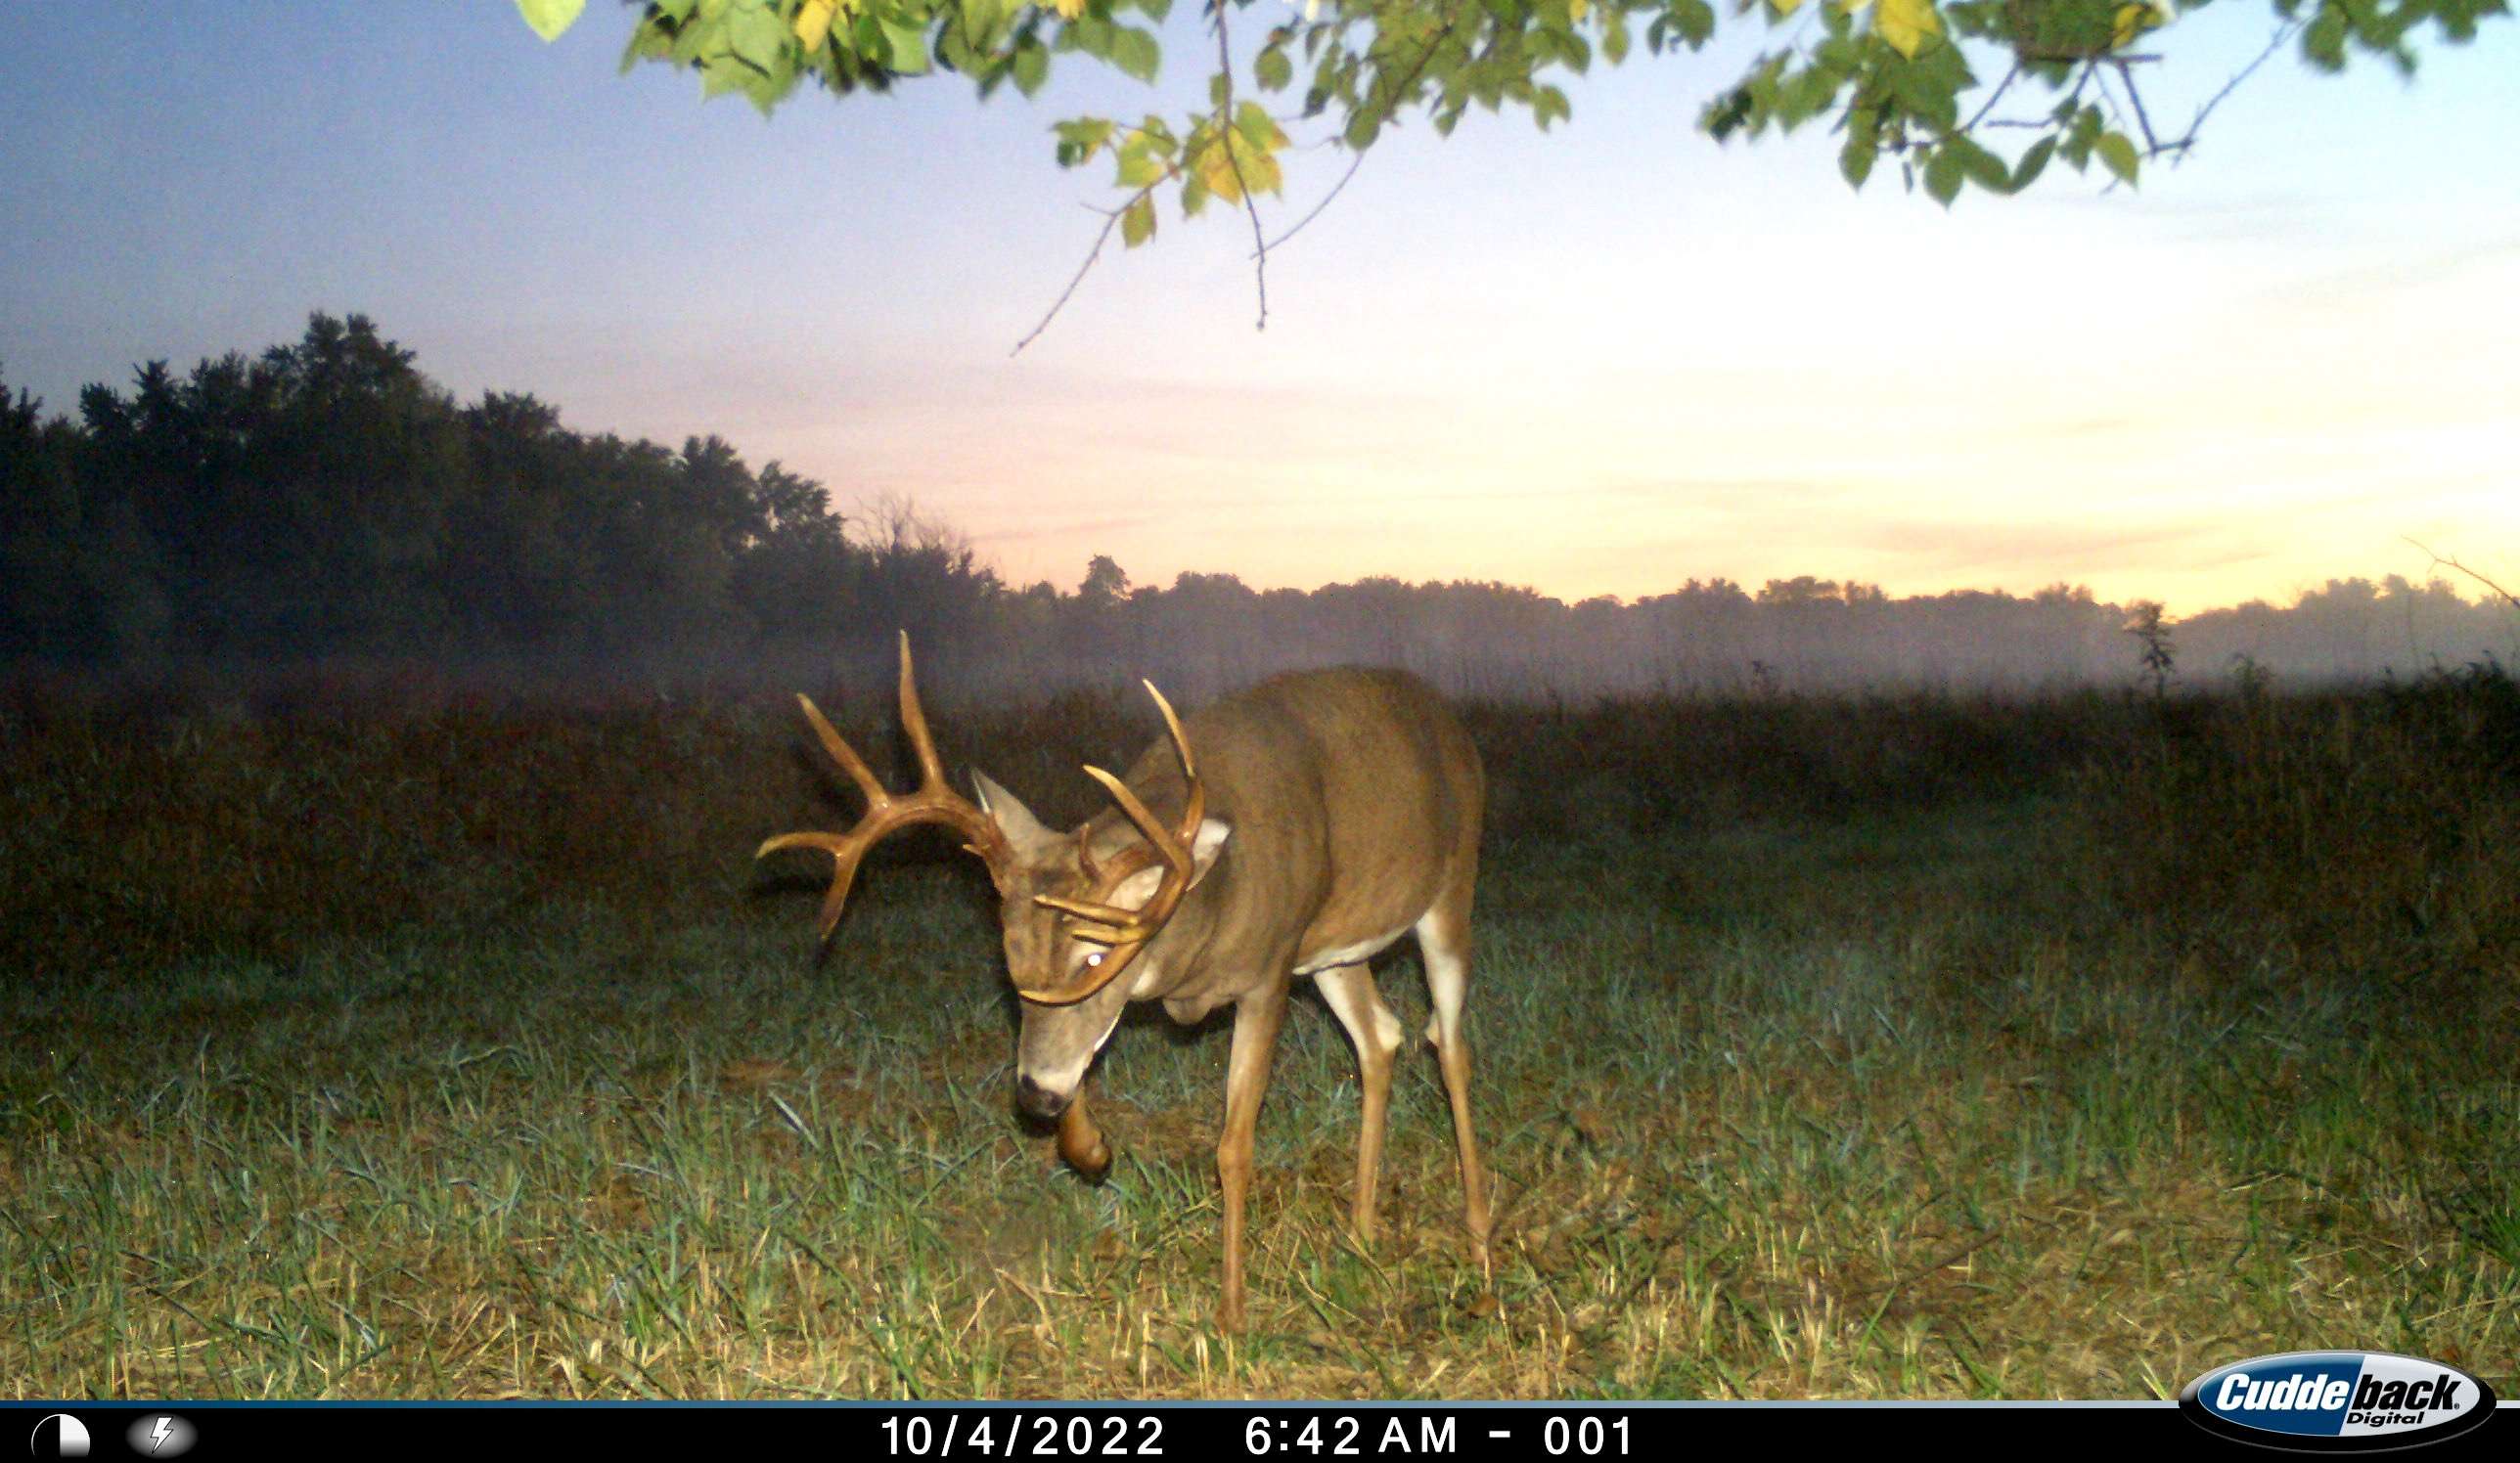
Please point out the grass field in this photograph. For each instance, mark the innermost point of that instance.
(1893, 1048)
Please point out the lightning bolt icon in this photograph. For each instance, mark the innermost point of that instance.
(157, 1433)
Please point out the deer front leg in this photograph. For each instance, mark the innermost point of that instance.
(1256, 1018)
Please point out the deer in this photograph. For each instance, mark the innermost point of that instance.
(1293, 830)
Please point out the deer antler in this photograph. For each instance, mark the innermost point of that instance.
(1094, 917)
(934, 801)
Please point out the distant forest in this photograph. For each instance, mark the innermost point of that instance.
(326, 502)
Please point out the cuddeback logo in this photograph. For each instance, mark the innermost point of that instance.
(2337, 1401)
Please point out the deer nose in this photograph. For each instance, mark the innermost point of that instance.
(1038, 1100)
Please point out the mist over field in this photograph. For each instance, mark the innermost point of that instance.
(324, 512)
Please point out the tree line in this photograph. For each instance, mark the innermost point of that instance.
(327, 500)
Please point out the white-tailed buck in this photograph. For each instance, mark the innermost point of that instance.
(1294, 830)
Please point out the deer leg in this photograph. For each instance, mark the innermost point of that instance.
(1349, 991)
(1443, 936)
(1256, 1018)
(1080, 1142)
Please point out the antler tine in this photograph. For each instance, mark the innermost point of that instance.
(1111, 924)
(1181, 744)
(1171, 846)
(846, 755)
(914, 720)
(845, 850)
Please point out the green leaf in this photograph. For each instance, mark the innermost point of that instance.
(1615, 38)
(1980, 166)
(1137, 225)
(1548, 104)
(1080, 139)
(1695, 19)
(2324, 43)
(1363, 125)
(2033, 161)
(1943, 177)
(754, 35)
(1032, 67)
(1273, 70)
(551, 18)
(647, 43)
(1854, 161)
(1136, 52)
(982, 17)
(905, 47)
(1137, 168)
(1087, 33)
(1260, 170)
(1258, 127)
(2118, 153)
(723, 76)
(1728, 113)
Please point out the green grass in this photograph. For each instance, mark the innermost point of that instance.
(487, 1068)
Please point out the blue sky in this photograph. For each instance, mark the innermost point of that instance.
(1603, 361)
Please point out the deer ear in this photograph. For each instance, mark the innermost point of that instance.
(1140, 887)
(1024, 830)
(1210, 842)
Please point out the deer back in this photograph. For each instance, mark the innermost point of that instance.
(1354, 797)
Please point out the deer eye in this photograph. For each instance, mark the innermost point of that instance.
(1094, 961)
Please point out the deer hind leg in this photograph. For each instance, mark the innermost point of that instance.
(1349, 991)
(1443, 936)
(1256, 1018)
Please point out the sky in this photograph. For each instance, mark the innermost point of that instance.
(1601, 361)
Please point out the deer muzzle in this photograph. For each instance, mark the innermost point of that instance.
(1038, 1102)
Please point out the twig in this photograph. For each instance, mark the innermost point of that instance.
(1224, 140)
(2134, 97)
(1260, 254)
(2283, 33)
(1110, 222)
(1357, 162)
(2439, 562)
(2000, 88)
(1391, 97)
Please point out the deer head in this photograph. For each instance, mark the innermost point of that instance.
(1074, 921)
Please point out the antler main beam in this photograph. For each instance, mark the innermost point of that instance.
(934, 801)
